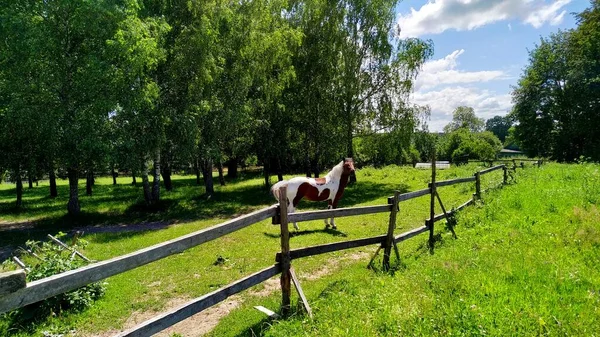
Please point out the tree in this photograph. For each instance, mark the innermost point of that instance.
(464, 117)
(557, 97)
(499, 126)
(137, 47)
(462, 144)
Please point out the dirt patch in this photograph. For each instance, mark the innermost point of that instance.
(203, 322)
(332, 264)
(142, 226)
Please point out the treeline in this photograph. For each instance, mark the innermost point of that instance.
(557, 100)
(148, 86)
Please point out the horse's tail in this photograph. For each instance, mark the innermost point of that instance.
(275, 188)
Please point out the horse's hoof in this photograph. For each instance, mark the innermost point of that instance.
(326, 226)
(334, 227)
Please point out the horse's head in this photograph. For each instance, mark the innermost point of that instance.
(349, 169)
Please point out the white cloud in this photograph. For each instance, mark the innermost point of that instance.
(437, 16)
(485, 103)
(443, 72)
(510, 27)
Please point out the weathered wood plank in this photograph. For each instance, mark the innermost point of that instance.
(491, 169)
(390, 234)
(469, 202)
(73, 250)
(335, 213)
(410, 233)
(453, 181)
(285, 262)
(266, 311)
(195, 306)
(300, 292)
(73, 279)
(332, 247)
(12, 281)
(20, 263)
(439, 217)
(414, 194)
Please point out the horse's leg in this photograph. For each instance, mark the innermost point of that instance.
(291, 209)
(332, 222)
(327, 223)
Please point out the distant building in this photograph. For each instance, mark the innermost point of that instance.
(506, 153)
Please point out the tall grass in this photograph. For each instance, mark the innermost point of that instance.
(458, 289)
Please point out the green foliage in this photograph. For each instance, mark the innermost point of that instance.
(386, 149)
(499, 126)
(464, 117)
(55, 260)
(556, 100)
(463, 144)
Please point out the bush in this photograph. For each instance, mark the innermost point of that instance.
(53, 260)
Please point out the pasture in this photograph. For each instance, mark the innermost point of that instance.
(524, 261)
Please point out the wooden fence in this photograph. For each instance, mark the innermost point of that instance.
(15, 293)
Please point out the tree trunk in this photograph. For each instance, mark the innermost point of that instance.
(89, 182)
(232, 168)
(279, 170)
(307, 166)
(315, 166)
(349, 131)
(73, 206)
(197, 170)
(115, 174)
(146, 184)
(156, 178)
(166, 174)
(267, 173)
(207, 175)
(220, 169)
(19, 189)
(53, 190)
(30, 180)
(133, 180)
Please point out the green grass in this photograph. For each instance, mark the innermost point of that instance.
(498, 276)
(525, 263)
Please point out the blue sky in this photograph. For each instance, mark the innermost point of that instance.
(480, 49)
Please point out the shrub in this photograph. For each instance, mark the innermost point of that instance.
(53, 260)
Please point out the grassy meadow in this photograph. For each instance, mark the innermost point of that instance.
(525, 261)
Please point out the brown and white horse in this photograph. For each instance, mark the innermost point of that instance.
(330, 188)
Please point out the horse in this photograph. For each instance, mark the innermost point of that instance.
(331, 188)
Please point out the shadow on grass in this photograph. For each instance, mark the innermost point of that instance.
(115, 205)
(332, 232)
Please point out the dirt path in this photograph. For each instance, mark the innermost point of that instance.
(203, 322)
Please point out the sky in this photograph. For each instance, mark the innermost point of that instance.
(481, 48)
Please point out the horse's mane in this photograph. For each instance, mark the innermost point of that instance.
(336, 171)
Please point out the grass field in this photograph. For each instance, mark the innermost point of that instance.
(525, 261)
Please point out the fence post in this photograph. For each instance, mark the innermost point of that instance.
(477, 194)
(432, 192)
(389, 240)
(505, 174)
(285, 253)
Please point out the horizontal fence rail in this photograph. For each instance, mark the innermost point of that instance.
(60, 283)
(70, 280)
(339, 212)
(488, 170)
(193, 307)
(453, 181)
(439, 217)
(332, 247)
(414, 194)
(410, 234)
